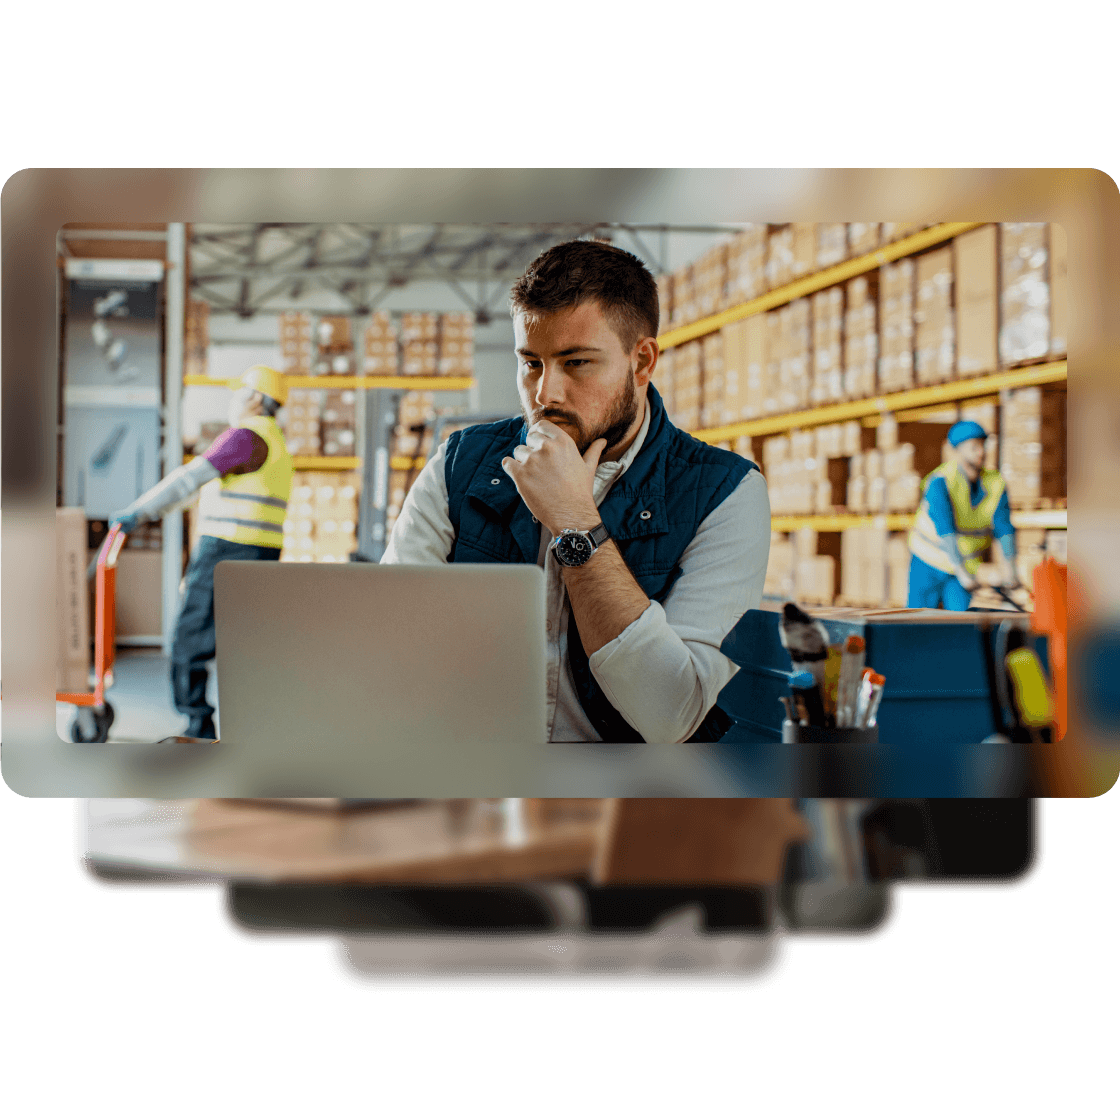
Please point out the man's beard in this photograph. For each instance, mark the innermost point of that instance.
(618, 421)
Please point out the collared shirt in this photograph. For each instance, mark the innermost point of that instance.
(665, 670)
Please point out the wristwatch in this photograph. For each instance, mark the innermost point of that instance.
(574, 547)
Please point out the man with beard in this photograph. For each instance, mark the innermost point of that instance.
(653, 544)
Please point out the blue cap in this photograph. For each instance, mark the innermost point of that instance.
(966, 429)
(802, 679)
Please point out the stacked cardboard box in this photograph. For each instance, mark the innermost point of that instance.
(336, 518)
(814, 575)
(338, 423)
(898, 569)
(795, 369)
(322, 517)
(935, 332)
(793, 473)
(896, 326)
(416, 409)
(295, 342)
(1024, 333)
(863, 565)
(832, 243)
(1059, 292)
(684, 307)
(755, 361)
(827, 346)
(1033, 446)
(419, 339)
(903, 483)
(196, 338)
(863, 237)
(712, 398)
(335, 345)
(687, 378)
(780, 568)
(456, 345)
(303, 415)
(791, 253)
(744, 369)
(665, 301)
(861, 339)
(709, 279)
(663, 378)
(380, 346)
(746, 266)
(779, 256)
(975, 265)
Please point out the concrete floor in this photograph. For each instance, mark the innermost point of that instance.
(141, 699)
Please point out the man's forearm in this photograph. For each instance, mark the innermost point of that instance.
(604, 596)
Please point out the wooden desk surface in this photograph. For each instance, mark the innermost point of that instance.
(457, 841)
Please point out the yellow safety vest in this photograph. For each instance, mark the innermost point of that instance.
(250, 508)
(973, 524)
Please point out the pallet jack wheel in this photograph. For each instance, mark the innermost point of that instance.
(81, 730)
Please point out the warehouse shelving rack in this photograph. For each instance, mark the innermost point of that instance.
(908, 405)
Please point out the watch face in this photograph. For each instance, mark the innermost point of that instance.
(573, 550)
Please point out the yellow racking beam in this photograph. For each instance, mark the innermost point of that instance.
(896, 522)
(816, 281)
(921, 413)
(352, 462)
(333, 381)
(963, 389)
(326, 462)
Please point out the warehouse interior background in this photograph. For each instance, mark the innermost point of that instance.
(834, 355)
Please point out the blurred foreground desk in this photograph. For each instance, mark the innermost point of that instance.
(453, 841)
(609, 841)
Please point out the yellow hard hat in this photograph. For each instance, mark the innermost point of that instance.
(268, 381)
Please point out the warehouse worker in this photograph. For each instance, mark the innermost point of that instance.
(963, 507)
(245, 477)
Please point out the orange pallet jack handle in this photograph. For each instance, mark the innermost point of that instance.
(104, 622)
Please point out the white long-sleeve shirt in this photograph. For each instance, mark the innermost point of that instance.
(665, 670)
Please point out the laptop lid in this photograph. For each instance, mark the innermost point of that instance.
(339, 658)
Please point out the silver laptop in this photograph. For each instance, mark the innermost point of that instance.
(329, 662)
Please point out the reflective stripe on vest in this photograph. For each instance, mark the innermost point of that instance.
(972, 524)
(250, 508)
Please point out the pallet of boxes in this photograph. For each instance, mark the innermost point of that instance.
(431, 346)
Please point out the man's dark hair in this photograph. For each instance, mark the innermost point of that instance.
(269, 405)
(576, 272)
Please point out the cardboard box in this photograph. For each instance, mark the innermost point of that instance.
(140, 593)
(832, 243)
(863, 237)
(977, 311)
(1024, 293)
(72, 601)
(332, 333)
(1059, 292)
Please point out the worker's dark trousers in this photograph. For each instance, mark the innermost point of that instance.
(193, 644)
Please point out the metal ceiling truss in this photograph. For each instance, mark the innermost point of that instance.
(247, 269)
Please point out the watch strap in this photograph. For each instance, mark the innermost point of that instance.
(599, 535)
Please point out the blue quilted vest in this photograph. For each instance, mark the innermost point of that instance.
(653, 511)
